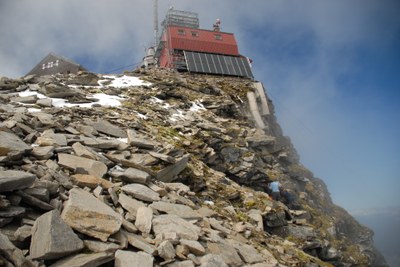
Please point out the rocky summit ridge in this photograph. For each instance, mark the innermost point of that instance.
(159, 168)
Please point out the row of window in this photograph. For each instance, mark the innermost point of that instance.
(182, 32)
(50, 64)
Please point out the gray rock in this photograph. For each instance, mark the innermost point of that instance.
(140, 243)
(52, 238)
(83, 151)
(57, 91)
(194, 247)
(212, 260)
(13, 180)
(169, 173)
(23, 233)
(133, 259)
(98, 246)
(163, 157)
(43, 152)
(87, 214)
(248, 253)
(10, 143)
(14, 254)
(167, 223)
(107, 128)
(166, 250)
(138, 141)
(180, 210)
(92, 167)
(132, 175)
(39, 193)
(141, 192)
(52, 139)
(144, 217)
(33, 201)
(44, 118)
(85, 260)
(45, 102)
(11, 211)
(25, 99)
(226, 251)
(130, 204)
(275, 219)
(187, 263)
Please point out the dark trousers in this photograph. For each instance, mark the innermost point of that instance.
(276, 195)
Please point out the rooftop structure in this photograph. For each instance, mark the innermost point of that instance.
(53, 64)
(185, 47)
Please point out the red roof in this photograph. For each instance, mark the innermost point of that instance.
(198, 40)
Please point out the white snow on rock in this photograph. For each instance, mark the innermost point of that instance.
(123, 81)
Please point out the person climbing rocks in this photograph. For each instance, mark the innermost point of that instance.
(274, 187)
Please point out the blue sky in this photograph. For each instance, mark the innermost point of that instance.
(332, 69)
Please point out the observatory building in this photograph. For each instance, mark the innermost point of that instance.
(185, 47)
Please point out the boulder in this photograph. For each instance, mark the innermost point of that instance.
(212, 260)
(141, 192)
(103, 126)
(52, 238)
(87, 214)
(144, 217)
(194, 247)
(133, 259)
(169, 223)
(248, 253)
(130, 204)
(10, 143)
(43, 152)
(140, 243)
(85, 260)
(90, 181)
(92, 167)
(14, 180)
(226, 251)
(132, 175)
(14, 254)
(166, 250)
(180, 210)
(168, 174)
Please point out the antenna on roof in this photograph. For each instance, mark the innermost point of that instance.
(155, 14)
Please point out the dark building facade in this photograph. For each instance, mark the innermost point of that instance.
(53, 64)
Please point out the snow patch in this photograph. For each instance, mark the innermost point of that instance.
(123, 81)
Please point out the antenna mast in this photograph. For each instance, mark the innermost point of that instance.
(155, 14)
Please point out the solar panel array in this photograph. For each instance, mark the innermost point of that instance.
(218, 64)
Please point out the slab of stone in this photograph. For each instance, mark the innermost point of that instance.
(44, 118)
(33, 201)
(163, 157)
(125, 258)
(194, 247)
(169, 223)
(141, 192)
(52, 238)
(92, 167)
(248, 253)
(11, 211)
(40, 193)
(45, 102)
(166, 250)
(226, 251)
(132, 175)
(25, 99)
(130, 204)
(212, 260)
(85, 260)
(83, 151)
(14, 254)
(9, 142)
(43, 152)
(180, 210)
(136, 140)
(169, 173)
(91, 181)
(98, 246)
(103, 143)
(13, 180)
(104, 126)
(144, 217)
(23, 233)
(140, 243)
(87, 214)
(257, 217)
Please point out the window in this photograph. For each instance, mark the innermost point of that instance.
(181, 32)
(218, 37)
(195, 34)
